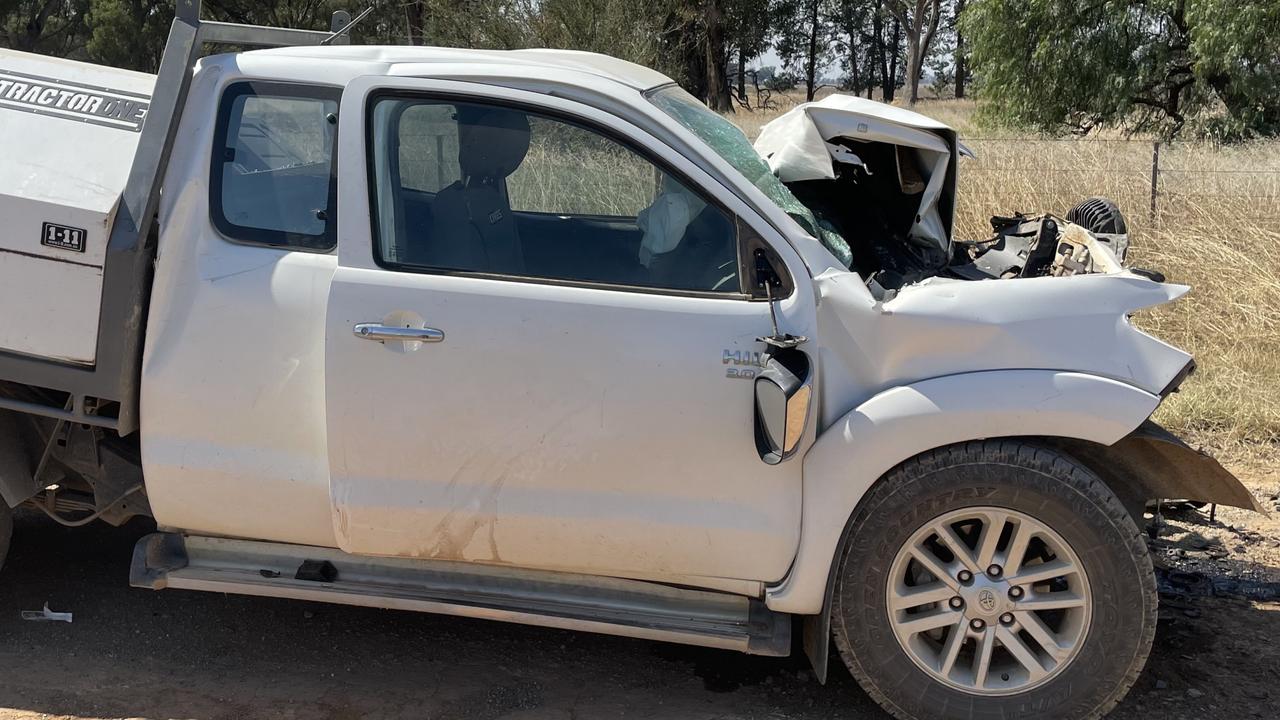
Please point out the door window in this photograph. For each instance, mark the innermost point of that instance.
(273, 181)
(478, 188)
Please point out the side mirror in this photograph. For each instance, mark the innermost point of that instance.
(784, 390)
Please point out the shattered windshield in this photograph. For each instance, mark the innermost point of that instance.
(733, 146)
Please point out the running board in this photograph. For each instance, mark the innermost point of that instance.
(613, 606)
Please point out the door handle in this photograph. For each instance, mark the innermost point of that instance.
(383, 333)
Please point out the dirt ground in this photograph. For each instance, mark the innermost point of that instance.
(178, 654)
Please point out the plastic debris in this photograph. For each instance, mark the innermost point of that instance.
(46, 615)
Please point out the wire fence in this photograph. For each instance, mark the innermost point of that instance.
(1155, 182)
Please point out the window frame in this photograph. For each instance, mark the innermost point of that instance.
(740, 292)
(324, 243)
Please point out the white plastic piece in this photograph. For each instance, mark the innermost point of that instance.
(46, 615)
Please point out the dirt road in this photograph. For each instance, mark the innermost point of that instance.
(176, 654)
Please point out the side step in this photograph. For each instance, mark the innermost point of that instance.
(613, 606)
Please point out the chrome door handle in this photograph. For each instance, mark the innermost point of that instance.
(383, 333)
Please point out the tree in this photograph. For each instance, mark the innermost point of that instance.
(491, 24)
(693, 51)
(53, 27)
(919, 20)
(806, 38)
(1236, 47)
(128, 33)
(715, 56)
(886, 51)
(942, 66)
(945, 58)
(747, 32)
(1144, 65)
(961, 52)
(616, 27)
(857, 44)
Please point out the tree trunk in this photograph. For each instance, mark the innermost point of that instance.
(962, 66)
(742, 77)
(920, 24)
(717, 84)
(417, 31)
(682, 42)
(811, 60)
(852, 28)
(855, 81)
(891, 84)
(914, 61)
(28, 39)
(877, 29)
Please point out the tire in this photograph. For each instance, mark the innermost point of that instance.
(1112, 583)
(1098, 215)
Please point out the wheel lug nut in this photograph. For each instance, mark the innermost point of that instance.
(1015, 592)
(995, 571)
(965, 576)
(957, 602)
(977, 624)
(1006, 619)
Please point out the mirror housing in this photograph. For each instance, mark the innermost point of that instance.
(784, 391)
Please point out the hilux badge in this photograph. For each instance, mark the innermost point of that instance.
(742, 363)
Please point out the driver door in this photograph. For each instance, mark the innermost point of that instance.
(569, 395)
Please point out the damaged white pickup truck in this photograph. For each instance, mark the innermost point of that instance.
(534, 336)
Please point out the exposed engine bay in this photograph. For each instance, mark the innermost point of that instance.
(883, 179)
(1023, 246)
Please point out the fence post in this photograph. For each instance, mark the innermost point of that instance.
(1155, 177)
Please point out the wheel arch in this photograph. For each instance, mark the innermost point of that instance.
(905, 421)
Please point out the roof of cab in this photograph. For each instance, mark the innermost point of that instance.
(600, 66)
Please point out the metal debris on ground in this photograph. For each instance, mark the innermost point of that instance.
(46, 615)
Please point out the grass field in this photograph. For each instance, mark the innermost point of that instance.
(1217, 228)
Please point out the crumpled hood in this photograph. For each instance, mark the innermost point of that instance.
(947, 327)
(805, 144)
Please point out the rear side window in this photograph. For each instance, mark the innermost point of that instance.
(273, 179)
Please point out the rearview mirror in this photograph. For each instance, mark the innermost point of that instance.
(784, 390)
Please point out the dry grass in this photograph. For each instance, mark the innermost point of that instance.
(1217, 229)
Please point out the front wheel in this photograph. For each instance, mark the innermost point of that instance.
(991, 580)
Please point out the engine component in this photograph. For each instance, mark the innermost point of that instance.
(1098, 215)
(1102, 218)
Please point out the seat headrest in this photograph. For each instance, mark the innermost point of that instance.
(492, 142)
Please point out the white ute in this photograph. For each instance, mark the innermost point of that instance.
(534, 336)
